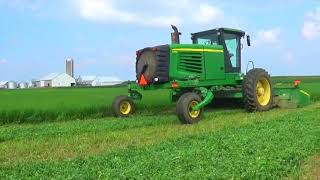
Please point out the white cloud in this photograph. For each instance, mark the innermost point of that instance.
(311, 25)
(177, 3)
(310, 30)
(157, 14)
(108, 11)
(206, 14)
(103, 10)
(3, 61)
(32, 5)
(267, 36)
(162, 21)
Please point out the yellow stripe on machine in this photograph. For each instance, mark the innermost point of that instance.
(305, 93)
(196, 50)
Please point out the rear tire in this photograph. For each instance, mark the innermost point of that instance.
(257, 91)
(184, 108)
(123, 106)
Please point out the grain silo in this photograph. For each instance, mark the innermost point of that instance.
(12, 85)
(70, 67)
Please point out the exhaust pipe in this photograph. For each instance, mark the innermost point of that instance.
(175, 35)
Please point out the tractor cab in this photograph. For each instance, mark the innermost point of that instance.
(230, 39)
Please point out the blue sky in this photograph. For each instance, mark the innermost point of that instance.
(36, 36)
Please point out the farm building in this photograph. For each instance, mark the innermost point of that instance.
(31, 85)
(55, 80)
(23, 85)
(106, 81)
(4, 84)
(12, 85)
(98, 81)
(8, 85)
(85, 80)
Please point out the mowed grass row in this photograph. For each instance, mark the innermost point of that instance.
(226, 144)
(42, 105)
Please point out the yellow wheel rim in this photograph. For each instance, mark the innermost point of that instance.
(125, 107)
(263, 91)
(193, 114)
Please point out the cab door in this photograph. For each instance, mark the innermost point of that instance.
(232, 54)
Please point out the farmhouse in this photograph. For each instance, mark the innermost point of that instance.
(55, 80)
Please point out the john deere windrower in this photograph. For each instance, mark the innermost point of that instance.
(202, 72)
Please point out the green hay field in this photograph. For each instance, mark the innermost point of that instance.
(42, 105)
(227, 144)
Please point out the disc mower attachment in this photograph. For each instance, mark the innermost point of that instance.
(290, 97)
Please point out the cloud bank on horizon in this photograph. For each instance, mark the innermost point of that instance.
(103, 35)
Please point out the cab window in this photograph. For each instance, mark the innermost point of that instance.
(232, 42)
(211, 39)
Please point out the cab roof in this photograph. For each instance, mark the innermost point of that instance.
(236, 31)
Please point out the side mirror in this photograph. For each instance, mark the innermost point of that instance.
(248, 40)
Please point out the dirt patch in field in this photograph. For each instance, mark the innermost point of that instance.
(311, 168)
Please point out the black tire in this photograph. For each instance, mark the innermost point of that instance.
(118, 104)
(250, 92)
(183, 108)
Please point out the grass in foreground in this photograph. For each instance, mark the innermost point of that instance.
(226, 144)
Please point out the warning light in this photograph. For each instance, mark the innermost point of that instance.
(174, 85)
(296, 83)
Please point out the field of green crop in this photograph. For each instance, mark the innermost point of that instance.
(70, 134)
(43, 105)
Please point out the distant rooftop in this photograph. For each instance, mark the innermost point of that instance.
(49, 76)
(100, 78)
(2, 83)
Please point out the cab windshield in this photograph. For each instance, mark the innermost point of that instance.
(211, 39)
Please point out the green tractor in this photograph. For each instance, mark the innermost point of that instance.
(202, 72)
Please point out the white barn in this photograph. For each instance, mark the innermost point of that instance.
(56, 80)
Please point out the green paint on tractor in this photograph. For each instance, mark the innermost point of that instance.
(204, 71)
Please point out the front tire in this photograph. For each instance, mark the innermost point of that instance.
(123, 106)
(257, 91)
(184, 108)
